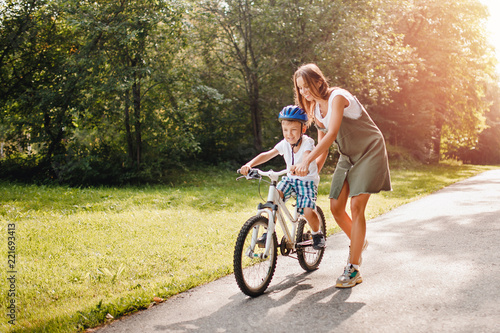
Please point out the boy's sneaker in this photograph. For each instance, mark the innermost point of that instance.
(349, 278)
(261, 241)
(318, 241)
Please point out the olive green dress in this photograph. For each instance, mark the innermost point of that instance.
(363, 156)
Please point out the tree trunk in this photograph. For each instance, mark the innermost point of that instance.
(255, 112)
(136, 93)
(55, 135)
(130, 142)
(257, 125)
(436, 142)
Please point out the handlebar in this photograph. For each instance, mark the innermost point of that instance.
(257, 174)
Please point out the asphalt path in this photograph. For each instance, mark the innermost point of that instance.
(432, 265)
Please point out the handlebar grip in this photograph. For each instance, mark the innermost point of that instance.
(253, 173)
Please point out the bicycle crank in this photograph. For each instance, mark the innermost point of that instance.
(283, 248)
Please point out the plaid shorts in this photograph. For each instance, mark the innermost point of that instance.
(306, 192)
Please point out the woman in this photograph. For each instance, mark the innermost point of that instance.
(363, 166)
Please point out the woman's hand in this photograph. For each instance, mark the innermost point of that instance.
(301, 169)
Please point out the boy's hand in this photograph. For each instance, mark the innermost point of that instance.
(244, 170)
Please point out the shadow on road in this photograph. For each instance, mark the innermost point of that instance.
(321, 311)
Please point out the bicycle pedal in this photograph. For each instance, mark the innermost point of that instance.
(261, 241)
(306, 243)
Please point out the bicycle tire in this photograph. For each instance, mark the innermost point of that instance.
(253, 275)
(309, 258)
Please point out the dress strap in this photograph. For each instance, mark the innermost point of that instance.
(322, 129)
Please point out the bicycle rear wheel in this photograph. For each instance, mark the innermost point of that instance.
(309, 258)
(252, 272)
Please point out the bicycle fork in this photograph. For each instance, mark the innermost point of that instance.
(271, 209)
(270, 231)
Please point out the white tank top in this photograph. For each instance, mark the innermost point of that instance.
(353, 110)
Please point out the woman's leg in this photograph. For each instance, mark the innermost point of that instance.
(337, 206)
(358, 230)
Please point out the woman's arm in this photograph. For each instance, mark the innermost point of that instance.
(320, 161)
(338, 104)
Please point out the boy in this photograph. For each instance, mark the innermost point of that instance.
(294, 147)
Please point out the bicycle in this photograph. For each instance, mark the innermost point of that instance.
(255, 262)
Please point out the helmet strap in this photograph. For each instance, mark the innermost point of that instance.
(297, 143)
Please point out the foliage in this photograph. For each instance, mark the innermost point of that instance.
(485, 150)
(118, 92)
(39, 77)
(443, 106)
(365, 52)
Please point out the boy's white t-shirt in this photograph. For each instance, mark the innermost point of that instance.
(285, 150)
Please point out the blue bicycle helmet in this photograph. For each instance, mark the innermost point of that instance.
(293, 112)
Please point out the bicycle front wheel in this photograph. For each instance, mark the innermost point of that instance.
(309, 258)
(252, 271)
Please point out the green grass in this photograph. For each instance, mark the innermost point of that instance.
(84, 253)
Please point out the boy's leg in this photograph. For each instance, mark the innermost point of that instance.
(312, 218)
(319, 241)
(306, 200)
(285, 188)
(282, 195)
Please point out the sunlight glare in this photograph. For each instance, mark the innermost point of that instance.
(494, 26)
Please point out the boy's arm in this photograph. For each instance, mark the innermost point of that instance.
(259, 159)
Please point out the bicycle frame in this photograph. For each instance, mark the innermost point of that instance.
(255, 262)
(275, 208)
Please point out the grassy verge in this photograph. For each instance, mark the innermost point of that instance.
(85, 253)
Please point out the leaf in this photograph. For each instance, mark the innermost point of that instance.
(158, 300)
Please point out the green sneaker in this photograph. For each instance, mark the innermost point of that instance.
(349, 278)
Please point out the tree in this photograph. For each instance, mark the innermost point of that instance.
(237, 43)
(137, 43)
(443, 106)
(363, 53)
(487, 148)
(259, 45)
(81, 77)
(39, 76)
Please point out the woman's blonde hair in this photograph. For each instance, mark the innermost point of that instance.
(317, 84)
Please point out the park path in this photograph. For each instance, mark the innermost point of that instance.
(433, 265)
